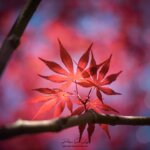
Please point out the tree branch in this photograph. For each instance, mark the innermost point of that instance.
(12, 40)
(22, 127)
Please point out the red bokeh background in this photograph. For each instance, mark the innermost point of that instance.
(119, 27)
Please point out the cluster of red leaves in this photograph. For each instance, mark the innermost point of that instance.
(88, 74)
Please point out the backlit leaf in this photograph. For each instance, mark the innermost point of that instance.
(85, 84)
(106, 108)
(59, 109)
(69, 104)
(45, 90)
(105, 67)
(55, 78)
(93, 67)
(111, 78)
(65, 85)
(109, 91)
(106, 130)
(78, 102)
(78, 110)
(81, 130)
(85, 73)
(99, 95)
(93, 104)
(65, 57)
(100, 64)
(84, 59)
(46, 107)
(55, 67)
(88, 75)
(90, 130)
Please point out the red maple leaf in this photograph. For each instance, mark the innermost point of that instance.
(106, 129)
(98, 79)
(99, 107)
(56, 98)
(88, 74)
(67, 76)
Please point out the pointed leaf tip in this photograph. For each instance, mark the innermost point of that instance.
(84, 59)
(109, 91)
(59, 41)
(93, 67)
(44, 90)
(90, 131)
(81, 130)
(43, 60)
(55, 78)
(90, 46)
(107, 108)
(111, 78)
(105, 129)
(104, 69)
(110, 56)
(41, 76)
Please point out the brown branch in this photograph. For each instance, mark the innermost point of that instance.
(12, 40)
(22, 127)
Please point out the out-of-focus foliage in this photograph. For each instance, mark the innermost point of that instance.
(120, 27)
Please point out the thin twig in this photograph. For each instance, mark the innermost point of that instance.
(12, 40)
(77, 92)
(22, 127)
(88, 97)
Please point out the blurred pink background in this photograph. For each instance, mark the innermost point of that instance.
(119, 27)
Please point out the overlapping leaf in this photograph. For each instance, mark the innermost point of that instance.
(106, 129)
(97, 106)
(98, 79)
(90, 130)
(67, 76)
(79, 110)
(88, 74)
(83, 61)
(66, 58)
(56, 99)
(54, 67)
(81, 130)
